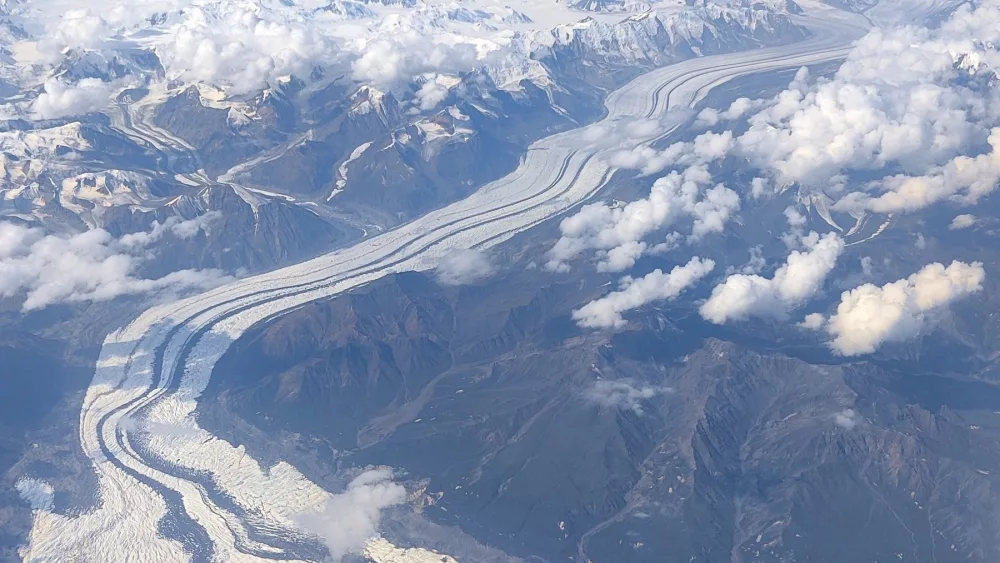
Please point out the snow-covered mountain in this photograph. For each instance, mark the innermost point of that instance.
(311, 121)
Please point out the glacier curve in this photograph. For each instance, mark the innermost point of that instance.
(169, 490)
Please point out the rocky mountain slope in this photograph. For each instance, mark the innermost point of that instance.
(119, 129)
(670, 441)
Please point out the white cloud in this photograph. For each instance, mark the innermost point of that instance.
(461, 267)
(965, 179)
(622, 257)
(869, 316)
(618, 232)
(706, 147)
(434, 90)
(800, 278)
(962, 222)
(347, 519)
(91, 266)
(623, 394)
(813, 321)
(846, 419)
(74, 29)
(758, 188)
(866, 266)
(395, 58)
(898, 103)
(243, 47)
(796, 220)
(181, 228)
(239, 50)
(753, 266)
(606, 312)
(60, 99)
(238, 47)
(709, 117)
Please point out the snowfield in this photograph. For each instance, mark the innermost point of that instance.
(170, 491)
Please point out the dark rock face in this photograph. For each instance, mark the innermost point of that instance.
(655, 444)
(248, 234)
(41, 380)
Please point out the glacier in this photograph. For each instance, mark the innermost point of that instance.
(155, 464)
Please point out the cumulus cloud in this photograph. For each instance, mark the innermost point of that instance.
(962, 222)
(181, 228)
(74, 29)
(709, 117)
(869, 316)
(813, 321)
(238, 50)
(758, 188)
(846, 419)
(348, 519)
(964, 179)
(901, 103)
(606, 312)
(397, 57)
(623, 394)
(434, 90)
(801, 276)
(462, 267)
(753, 266)
(244, 47)
(706, 147)
(61, 99)
(91, 266)
(905, 122)
(796, 227)
(618, 232)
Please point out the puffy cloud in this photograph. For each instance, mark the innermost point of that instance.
(606, 312)
(709, 117)
(618, 232)
(461, 267)
(901, 102)
(962, 222)
(243, 47)
(758, 188)
(434, 90)
(753, 266)
(237, 47)
(800, 278)
(74, 29)
(348, 519)
(623, 256)
(796, 227)
(61, 99)
(706, 147)
(240, 51)
(91, 266)
(623, 394)
(181, 228)
(965, 179)
(813, 321)
(869, 316)
(846, 419)
(395, 58)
